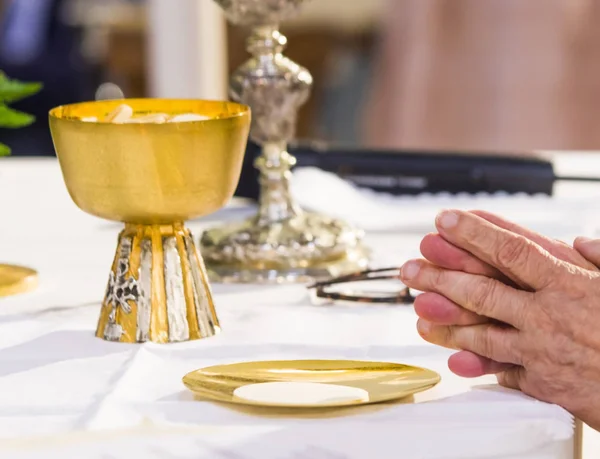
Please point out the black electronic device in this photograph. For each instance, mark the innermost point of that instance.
(411, 172)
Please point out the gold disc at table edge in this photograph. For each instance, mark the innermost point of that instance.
(16, 279)
(384, 381)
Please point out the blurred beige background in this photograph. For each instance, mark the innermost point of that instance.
(485, 75)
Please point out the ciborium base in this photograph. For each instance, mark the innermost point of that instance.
(15, 280)
(158, 288)
(305, 248)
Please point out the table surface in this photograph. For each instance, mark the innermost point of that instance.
(71, 392)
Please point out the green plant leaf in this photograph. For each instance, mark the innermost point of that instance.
(4, 150)
(13, 119)
(13, 90)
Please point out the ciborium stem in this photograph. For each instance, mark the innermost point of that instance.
(158, 288)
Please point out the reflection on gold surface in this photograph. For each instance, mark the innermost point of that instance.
(16, 279)
(151, 173)
(383, 381)
(153, 177)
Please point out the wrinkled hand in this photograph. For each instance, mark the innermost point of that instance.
(544, 337)
(437, 309)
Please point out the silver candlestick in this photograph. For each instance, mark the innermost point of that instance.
(282, 243)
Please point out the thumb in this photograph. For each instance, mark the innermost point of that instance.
(589, 249)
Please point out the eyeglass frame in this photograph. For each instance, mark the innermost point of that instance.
(403, 297)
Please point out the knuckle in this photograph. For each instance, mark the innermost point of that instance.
(439, 278)
(565, 355)
(576, 283)
(509, 379)
(483, 342)
(524, 316)
(474, 339)
(479, 296)
(516, 351)
(567, 275)
(578, 292)
(451, 339)
(513, 378)
(547, 317)
(502, 381)
(515, 251)
(476, 236)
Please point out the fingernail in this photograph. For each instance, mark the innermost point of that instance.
(447, 219)
(410, 270)
(583, 239)
(423, 327)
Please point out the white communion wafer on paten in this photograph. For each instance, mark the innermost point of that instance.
(300, 394)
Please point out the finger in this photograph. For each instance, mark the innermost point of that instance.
(514, 255)
(512, 378)
(481, 295)
(487, 340)
(470, 365)
(588, 248)
(437, 309)
(442, 253)
(556, 248)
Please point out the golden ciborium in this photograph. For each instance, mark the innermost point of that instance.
(153, 177)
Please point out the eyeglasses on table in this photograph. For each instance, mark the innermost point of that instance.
(339, 289)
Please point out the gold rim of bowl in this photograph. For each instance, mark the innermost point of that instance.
(151, 173)
(239, 110)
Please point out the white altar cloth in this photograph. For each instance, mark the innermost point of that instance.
(64, 393)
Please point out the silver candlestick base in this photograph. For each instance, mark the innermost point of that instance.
(282, 243)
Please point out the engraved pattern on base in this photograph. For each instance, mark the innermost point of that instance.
(158, 290)
(120, 291)
(202, 290)
(145, 283)
(176, 301)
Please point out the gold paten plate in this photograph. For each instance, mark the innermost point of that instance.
(16, 279)
(309, 383)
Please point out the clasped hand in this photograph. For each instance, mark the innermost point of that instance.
(515, 304)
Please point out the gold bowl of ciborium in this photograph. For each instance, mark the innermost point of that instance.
(152, 164)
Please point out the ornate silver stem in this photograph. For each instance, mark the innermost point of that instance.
(283, 242)
(275, 202)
